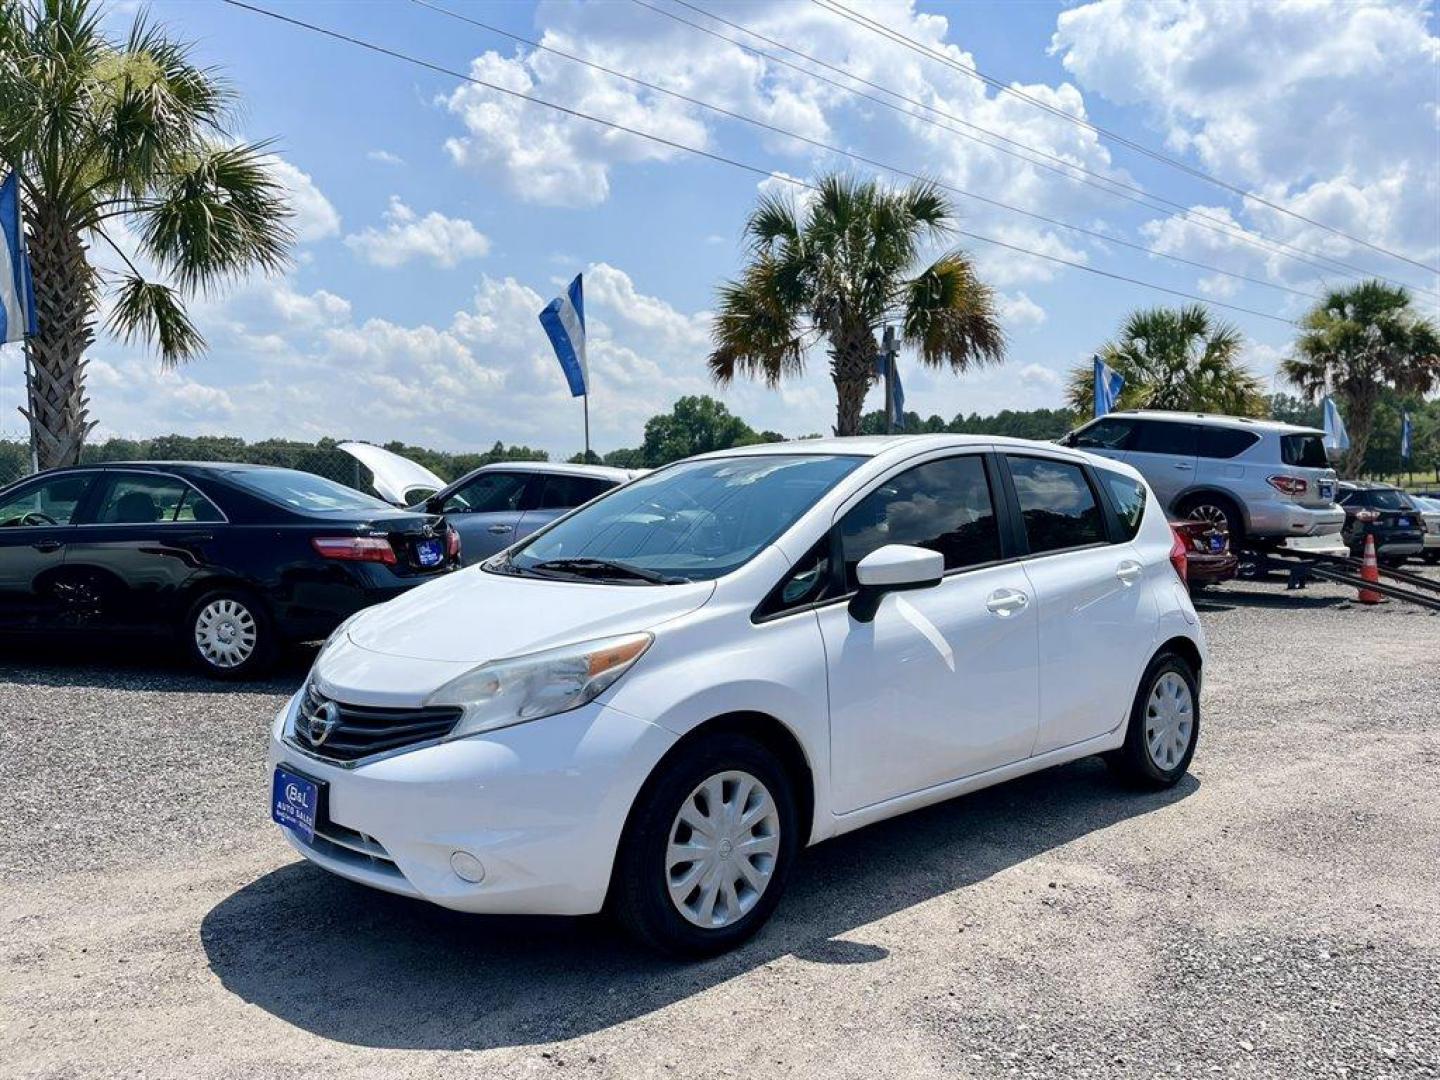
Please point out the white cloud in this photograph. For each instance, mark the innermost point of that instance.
(315, 218)
(384, 157)
(444, 241)
(1018, 311)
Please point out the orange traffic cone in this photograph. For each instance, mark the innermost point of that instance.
(1370, 571)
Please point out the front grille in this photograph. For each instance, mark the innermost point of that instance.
(340, 732)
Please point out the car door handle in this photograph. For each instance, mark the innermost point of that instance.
(500, 528)
(47, 546)
(1185, 465)
(1005, 602)
(1129, 572)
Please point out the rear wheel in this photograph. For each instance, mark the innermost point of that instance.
(1164, 725)
(228, 634)
(707, 849)
(1217, 511)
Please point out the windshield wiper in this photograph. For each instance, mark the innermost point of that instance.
(604, 568)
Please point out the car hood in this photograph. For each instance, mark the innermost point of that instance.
(472, 616)
(394, 477)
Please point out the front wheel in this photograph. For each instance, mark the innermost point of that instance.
(1164, 725)
(228, 635)
(707, 849)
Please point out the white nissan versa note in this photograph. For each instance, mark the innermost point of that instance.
(654, 703)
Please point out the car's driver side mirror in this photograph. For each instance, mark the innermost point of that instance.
(893, 568)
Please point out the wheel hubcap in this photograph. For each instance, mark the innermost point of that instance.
(1212, 514)
(225, 633)
(723, 846)
(1169, 720)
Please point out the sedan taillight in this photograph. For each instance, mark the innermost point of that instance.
(1290, 485)
(355, 548)
(1177, 555)
(452, 543)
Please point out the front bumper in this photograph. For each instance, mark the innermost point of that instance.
(541, 805)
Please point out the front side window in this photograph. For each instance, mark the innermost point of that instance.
(1129, 498)
(488, 493)
(303, 491)
(1165, 437)
(942, 505)
(141, 500)
(49, 502)
(1105, 434)
(1056, 503)
(693, 521)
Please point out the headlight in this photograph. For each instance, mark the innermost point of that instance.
(506, 692)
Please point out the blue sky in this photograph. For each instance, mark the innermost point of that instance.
(436, 217)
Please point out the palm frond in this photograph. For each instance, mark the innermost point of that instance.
(757, 330)
(949, 314)
(149, 311)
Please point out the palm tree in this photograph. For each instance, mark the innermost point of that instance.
(838, 269)
(1174, 358)
(1354, 343)
(125, 144)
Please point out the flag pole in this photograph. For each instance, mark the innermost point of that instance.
(587, 426)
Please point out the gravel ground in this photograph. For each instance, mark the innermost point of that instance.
(1278, 914)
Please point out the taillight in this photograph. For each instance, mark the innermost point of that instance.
(1177, 554)
(1290, 485)
(355, 548)
(1367, 516)
(452, 543)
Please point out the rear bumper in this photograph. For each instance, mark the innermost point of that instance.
(1211, 569)
(1391, 546)
(1274, 518)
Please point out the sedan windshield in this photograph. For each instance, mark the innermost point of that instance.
(304, 491)
(693, 521)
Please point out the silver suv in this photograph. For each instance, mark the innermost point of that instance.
(1261, 480)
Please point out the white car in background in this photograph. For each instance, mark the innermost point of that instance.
(1430, 513)
(658, 700)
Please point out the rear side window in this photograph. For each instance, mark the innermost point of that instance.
(942, 505)
(564, 492)
(1164, 437)
(1056, 503)
(141, 500)
(1380, 499)
(1220, 442)
(1304, 451)
(1128, 497)
(1106, 434)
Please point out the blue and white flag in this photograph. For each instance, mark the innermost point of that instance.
(564, 323)
(1337, 439)
(1108, 384)
(17, 291)
(1405, 433)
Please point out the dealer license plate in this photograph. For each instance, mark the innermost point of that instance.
(294, 801)
(429, 552)
(1404, 523)
(1327, 490)
(1217, 543)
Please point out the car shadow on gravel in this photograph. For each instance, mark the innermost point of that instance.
(363, 967)
(136, 665)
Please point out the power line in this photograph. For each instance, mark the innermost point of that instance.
(874, 163)
(1141, 197)
(836, 8)
(755, 169)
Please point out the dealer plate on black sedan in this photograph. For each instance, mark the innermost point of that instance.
(429, 552)
(294, 802)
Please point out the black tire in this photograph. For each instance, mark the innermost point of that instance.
(1133, 761)
(1213, 508)
(261, 654)
(639, 896)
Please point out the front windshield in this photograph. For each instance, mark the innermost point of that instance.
(304, 491)
(693, 521)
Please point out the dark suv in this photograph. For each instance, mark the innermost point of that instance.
(1385, 512)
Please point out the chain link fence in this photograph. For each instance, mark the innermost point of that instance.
(321, 458)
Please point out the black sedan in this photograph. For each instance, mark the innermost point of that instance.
(230, 560)
(1384, 512)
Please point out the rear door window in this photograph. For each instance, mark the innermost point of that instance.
(1304, 451)
(1128, 497)
(942, 505)
(1165, 437)
(1056, 504)
(562, 492)
(1221, 442)
(141, 500)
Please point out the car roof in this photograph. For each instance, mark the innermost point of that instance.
(1216, 420)
(199, 466)
(563, 468)
(1368, 485)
